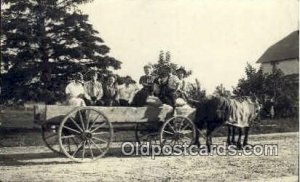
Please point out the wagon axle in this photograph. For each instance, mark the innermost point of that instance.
(86, 135)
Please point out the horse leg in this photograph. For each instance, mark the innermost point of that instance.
(228, 135)
(197, 142)
(246, 129)
(233, 135)
(209, 137)
(239, 144)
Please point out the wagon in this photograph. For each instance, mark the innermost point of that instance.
(85, 133)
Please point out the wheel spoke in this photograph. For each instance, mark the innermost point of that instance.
(91, 151)
(187, 138)
(75, 142)
(171, 127)
(186, 132)
(185, 126)
(97, 146)
(88, 118)
(83, 150)
(50, 136)
(181, 140)
(168, 132)
(181, 123)
(172, 141)
(94, 121)
(78, 148)
(69, 145)
(81, 120)
(99, 139)
(100, 133)
(69, 136)
(72, 129)
(98, 127)
(176, 123)
(76, 124)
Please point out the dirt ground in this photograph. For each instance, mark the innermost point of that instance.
(37, 163)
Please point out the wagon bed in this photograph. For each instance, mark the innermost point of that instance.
(85, 133)
(55, 113)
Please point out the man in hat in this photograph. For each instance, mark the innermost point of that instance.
(75, 91)
(168, 85)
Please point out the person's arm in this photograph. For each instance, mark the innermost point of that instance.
(156, 89)
(116, 96)
(175, 81)
(100, 94)
(134, 91)
(68, 91)
(143, 81)
(85, 93)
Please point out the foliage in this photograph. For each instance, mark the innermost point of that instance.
(221, 91)
(43, 43)
(194, 91)
(282, 89)
(165, 60)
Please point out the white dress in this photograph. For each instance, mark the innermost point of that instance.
(74, 90)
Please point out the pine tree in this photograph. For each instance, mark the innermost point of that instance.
(43, 43)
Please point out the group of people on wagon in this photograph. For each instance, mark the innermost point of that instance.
(168, 87)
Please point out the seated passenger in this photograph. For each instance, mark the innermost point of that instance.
(168, 85)
(127, 91)
(147, 81)
(94, 89)
(181, 91)
(75, 92)
(110, 92)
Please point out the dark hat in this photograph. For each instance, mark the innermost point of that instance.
(78, 75)
(181, 70)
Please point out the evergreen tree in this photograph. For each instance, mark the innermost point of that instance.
(43, 43)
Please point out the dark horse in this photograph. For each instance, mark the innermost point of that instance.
(216, 111)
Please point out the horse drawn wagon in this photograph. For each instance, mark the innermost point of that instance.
(86, 133)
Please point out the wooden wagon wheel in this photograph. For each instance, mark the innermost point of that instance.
(178, 130)
(85, 134)
(147, 132)
(50, 137)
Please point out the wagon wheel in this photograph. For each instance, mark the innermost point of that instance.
(147, 132)
(85, 134)
(50, 137)
(178, 130)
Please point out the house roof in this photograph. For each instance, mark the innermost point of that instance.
(287, 48)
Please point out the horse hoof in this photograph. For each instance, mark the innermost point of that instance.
(239, 147)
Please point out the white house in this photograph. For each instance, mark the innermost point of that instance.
(283, 55)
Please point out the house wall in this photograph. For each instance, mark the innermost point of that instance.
(288, 67)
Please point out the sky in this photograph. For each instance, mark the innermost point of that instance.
(213, 38)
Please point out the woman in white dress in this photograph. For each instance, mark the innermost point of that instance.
(75, 91)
